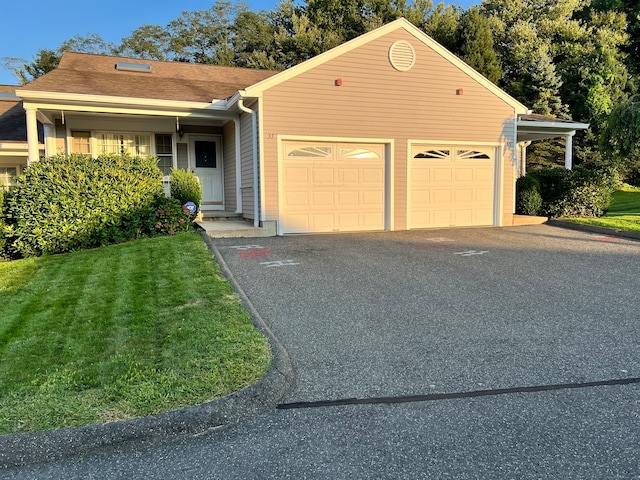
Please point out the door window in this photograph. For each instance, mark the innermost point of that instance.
(205, 154)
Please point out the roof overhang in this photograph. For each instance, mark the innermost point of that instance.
(543, 128)
(122, 105)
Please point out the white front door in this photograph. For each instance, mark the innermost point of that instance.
(205, 155)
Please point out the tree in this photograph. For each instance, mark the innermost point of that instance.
(148, 41)
(204, 36)
(46, 60)
(621, 135)
(476, 46)
(631, 11)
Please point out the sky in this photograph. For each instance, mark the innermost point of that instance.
(27, 28)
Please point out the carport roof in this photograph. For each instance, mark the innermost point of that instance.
(533, 126)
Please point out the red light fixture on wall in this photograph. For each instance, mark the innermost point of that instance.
(459, 91)
(338, 82)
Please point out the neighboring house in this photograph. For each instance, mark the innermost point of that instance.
(13, 137)
(389, 131)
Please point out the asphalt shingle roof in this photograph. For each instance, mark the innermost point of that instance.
(96, 75)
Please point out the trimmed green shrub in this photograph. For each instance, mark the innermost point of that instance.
(68, 202)
(528, 198)
(170, 216)
(4, 197)
(185, 186)
(579, 192)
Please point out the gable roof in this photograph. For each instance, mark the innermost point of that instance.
(401, 23)
(81, 73)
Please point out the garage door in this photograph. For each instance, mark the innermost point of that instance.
(331, 187)
(451, 186)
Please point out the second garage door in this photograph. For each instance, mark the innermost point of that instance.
(331, 187)
(451, 186)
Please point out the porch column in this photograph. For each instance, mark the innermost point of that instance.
(568, 150)
(32, 136)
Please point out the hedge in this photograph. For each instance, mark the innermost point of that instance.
(579, 192)
(69, 202)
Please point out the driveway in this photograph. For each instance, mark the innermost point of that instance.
(516, 350)
(445, 311)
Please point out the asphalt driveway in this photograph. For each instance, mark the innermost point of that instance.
(414, 313)
(368, 317)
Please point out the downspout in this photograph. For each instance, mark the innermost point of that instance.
(236, 123)
(254, 129)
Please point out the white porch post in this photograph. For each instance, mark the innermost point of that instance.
(568, 150)
(32, 136)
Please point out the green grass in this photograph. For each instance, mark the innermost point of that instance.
(623, 214)
(120, 332)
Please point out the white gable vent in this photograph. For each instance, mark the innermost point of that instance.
(402, 56)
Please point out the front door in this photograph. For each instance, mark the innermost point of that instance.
(206, 160)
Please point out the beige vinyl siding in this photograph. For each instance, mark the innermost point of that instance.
(377, 101)
(229, 166)
(246, 155)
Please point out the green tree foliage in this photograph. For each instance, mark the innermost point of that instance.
(630, 9)
(43, 62)
(621, 136)
(148, 41)
(46, 59)
(476, 46)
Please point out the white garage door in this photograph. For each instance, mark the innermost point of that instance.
(331, 187)
(451, 186)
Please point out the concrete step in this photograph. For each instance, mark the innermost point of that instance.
(235, 229)
(218, 216)
(528, 220)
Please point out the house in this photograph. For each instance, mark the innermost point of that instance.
(388, 131)
(13, 137)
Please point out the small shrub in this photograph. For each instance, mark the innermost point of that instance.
(69, 202)
(588, 200)
(170, 216)
(528, 198)
(185, 186)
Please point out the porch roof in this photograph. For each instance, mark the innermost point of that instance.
(81, 73)
(533, 126)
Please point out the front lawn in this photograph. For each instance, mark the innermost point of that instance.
(623, 214)
(120, 332)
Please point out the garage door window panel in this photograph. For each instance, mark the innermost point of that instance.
(434, 154)
(311, 152)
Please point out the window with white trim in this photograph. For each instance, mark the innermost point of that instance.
(131, 143)
(81, 142)
(8, 177)
(164, 152)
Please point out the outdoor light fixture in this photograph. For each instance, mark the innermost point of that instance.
(179, 129)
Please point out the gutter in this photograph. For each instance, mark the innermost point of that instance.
(254, 130)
